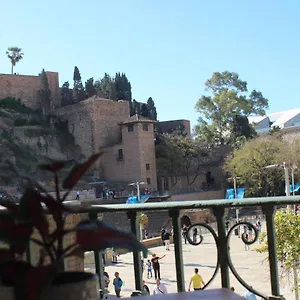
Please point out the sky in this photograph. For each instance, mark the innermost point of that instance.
(167, 48)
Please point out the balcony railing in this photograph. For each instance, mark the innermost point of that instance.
(221, 237)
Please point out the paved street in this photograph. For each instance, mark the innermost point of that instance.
(251, 266)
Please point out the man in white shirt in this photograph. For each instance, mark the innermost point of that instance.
(160, 288)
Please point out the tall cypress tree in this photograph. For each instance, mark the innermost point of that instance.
(90, 88)
(123, 87)
(78, 89)
(45, 93)
(66, 94)
(145, 112)
(152, 109)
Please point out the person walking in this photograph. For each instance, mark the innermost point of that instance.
(118, 283)
(155, 264)
(184, 233)
(77, 195)
(195, 233)
(160, 288)
(167, 240)
(197, 281)
(162, 233)
(149, 268)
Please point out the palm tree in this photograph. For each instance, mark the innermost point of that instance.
(15, 55)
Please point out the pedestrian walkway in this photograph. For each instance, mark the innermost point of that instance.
(251, 266)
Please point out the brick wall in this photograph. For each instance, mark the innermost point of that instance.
(26, 87)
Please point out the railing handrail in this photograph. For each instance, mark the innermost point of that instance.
(86, 206)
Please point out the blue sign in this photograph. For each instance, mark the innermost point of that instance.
(240, 192)
(134, 199)
(296, 188)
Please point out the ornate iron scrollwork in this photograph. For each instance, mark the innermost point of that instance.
(195, 238)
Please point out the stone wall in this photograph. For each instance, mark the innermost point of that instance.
(26, 87)
(80, 123)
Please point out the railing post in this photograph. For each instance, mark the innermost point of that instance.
(222, 248)
(177, 239)
(271, 234)
(98, 259)
(135, 229)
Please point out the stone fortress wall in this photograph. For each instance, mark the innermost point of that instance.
(26, 87)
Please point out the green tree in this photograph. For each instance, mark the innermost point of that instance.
(248, 164)
(45, 93)
(135, 108)
(78, 89)
(145, 112)
(66, 94)
(90, 88)
(152, 109)
(180, 156)
(123, 87)
(287, 228)
(229, 99)
(15, 55)
(106, 87)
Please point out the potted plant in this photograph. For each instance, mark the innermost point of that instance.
(45, 280)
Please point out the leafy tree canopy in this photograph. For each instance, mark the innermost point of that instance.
(287, 228)
(123, 87)
(90, 88)
(15, 55)
(248, 164)
(152, 109)
(223, 113)
(180, 156)
(106, 87)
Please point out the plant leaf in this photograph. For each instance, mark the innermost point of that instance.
(77, 172)
(95, 235)
(54, 167)
(31, 209)
(13, 232)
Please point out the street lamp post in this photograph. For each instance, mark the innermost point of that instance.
(138, 195)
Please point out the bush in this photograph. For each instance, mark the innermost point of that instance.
(16, 105)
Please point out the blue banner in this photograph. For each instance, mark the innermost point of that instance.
(296, 188)
(134, 199)
(240, 192)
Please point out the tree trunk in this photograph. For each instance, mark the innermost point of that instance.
(12, 69)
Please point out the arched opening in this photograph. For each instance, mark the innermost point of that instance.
(185, 220)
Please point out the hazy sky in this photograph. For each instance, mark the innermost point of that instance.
(167, 48)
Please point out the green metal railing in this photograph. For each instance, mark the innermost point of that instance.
(224, 263)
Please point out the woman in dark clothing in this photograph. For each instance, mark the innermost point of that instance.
(155, 265)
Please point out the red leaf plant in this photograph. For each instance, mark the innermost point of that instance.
(18, 222)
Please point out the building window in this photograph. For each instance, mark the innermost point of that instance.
(145, 127)
(148, 180)
(130, 128)
(147, 167)
(120, 154)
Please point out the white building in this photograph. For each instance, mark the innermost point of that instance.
(288, 121)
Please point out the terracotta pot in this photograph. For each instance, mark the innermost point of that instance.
(65, 286)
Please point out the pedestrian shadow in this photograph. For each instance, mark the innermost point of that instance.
(199, 265)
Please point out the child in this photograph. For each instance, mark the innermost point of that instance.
(118, 284)
(149, 268)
